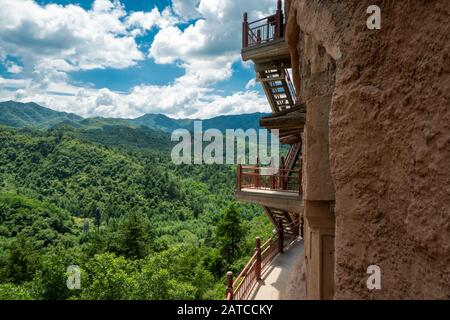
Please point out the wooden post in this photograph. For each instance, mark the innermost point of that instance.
(272, 174)
(282, 173)
(297, 223)
(245, 31)
(300, 181)
(301, 226)
(239, 177)
(300, 173)
(280, 236)
(279, 20)
(257, 174)
(258, 258)
(230, 285)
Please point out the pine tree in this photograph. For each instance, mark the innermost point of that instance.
(230, 234)
(97, 218)
(135, 236)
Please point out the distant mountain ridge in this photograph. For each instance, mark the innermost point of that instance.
(21, 115)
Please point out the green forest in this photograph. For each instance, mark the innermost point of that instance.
(110, 200)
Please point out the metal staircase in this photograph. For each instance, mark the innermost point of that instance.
(288, 222)
(291, 159)
(272, 71)
(278, 88)
(280, 92)
(263, 42)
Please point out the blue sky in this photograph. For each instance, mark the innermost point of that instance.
(130, 57)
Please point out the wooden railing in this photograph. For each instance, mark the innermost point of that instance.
(241, 288)
(267, 178)
(263, 30)
(269, 250)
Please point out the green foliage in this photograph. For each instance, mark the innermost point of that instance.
(14, 292)
(21, 115)
(30, 114)
(135, 237)
(161, 234)
(51, 278)
(22, 261)
(177, 273)
(107, 277)
(230, 234)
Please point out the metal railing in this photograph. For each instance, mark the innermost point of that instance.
(292, 155)
(263, 30)
(291, 87)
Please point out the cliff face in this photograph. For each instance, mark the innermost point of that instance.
(389, 139)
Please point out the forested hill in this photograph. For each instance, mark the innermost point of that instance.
(21, 115)
(110, 200)
(164, 123)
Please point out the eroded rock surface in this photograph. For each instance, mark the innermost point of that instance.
(389, 140)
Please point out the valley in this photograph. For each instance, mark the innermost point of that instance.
(108, 199)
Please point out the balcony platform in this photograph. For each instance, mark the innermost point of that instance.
(283, 200)
(267, 52)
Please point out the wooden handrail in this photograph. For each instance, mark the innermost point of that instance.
(268, 18)
(263, 30)
(267, 242)
(261, 178)
(240, 288)
(247, 266)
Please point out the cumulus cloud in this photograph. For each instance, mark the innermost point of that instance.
(200, 36)
(212, 40)
(175, 100)
(144, 21)
(14, 83)
(85, 39)
(11, 67)
(186, 9)
(251, 84)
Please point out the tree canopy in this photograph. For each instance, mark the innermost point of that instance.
(138, 226)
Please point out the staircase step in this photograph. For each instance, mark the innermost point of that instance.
(272, 71)
(279, 92)
(270, 79)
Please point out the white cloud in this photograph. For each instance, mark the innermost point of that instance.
(11, 67)
(20, 94)
(209, 46)
(176, 100)
(14, 83)
(144, 21)
(186, 9)
(85, 39)
(54, 40)
(103, 6)
(251, 84)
